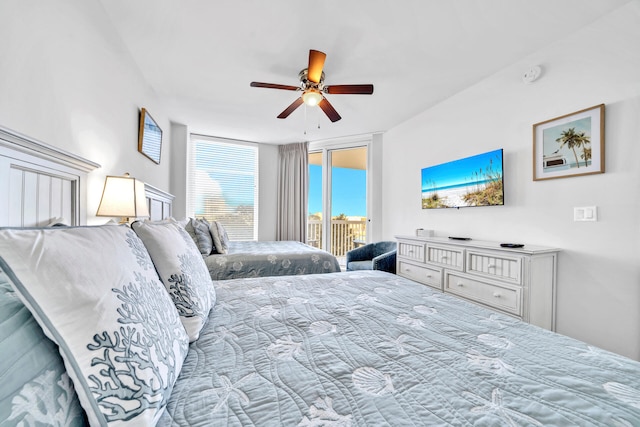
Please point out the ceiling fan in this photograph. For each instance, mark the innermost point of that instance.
(313, 88)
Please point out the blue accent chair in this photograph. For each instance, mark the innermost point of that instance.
(373, 256)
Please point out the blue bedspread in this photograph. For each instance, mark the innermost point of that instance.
(259, 259)
(371, 348)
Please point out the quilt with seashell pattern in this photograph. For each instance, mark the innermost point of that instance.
(371, 348)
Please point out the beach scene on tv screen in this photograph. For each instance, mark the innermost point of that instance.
(472, 181)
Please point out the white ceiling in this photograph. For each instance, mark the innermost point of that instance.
(200, 56)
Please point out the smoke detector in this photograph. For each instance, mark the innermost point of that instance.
(532, 74)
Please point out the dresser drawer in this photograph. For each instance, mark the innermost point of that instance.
(504, 298)
(412, 251)
(450, 257)
(497, 266)
(427, 275)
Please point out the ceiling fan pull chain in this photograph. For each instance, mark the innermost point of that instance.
(318, 117)
(305, 119)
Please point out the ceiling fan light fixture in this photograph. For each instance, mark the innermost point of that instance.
(313, 88)
(312, 97)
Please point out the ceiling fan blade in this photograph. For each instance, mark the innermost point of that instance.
(274, 86)
(316, 63)
(329, 110)
(349, 89)
(295, 104)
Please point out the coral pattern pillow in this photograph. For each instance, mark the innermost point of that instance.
(95, 293)
(34, 385)
(182, 270)
(198, 229)
(220, 237)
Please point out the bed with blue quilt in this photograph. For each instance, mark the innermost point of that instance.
(270, 258)
(234, 259)
(372, 348)
(136, 333)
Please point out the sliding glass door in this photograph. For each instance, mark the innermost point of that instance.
(348, 226)
(337, 219)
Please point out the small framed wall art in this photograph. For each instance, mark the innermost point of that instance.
(149, 137)
(569, 145)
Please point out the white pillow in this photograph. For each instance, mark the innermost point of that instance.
(182, 270)
(95, 293)
(181, 222)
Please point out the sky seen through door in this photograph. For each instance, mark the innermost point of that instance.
(348, 192)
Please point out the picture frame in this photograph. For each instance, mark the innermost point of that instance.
(569, 145)
(149, 137)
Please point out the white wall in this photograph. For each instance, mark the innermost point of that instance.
(374, 181)
(179, 156)
(599, 268)
(67, 80)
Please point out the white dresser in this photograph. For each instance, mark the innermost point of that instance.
(520, 282)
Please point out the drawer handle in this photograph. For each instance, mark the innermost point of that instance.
(443, 257)
(497, 294)
(429, 276)
(410, 251)
(407, 270)
(460, 284)
(491, 266)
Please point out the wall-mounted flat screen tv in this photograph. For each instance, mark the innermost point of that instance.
(472, 181)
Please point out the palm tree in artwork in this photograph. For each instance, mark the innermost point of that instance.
(573, 140)
(586, 151)
(586, 155)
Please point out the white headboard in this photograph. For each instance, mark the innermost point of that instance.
(159, 202)
(39, 182)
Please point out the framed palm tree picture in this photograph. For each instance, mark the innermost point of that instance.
(569, 145)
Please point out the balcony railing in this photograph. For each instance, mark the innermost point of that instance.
(343, 234)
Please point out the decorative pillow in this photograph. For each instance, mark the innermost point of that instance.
(181, 222)
(35, 385)
(220, 238)
(95, 293)
(217, 243)
(182, 271)
(224, 238)
(58, 222)
(198, 229)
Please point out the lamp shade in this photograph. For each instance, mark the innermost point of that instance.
(123, 196)
(312, 97)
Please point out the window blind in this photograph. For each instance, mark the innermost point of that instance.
(222, 184)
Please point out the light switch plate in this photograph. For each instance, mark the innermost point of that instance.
(586, 213)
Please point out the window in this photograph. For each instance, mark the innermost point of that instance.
(222, 184)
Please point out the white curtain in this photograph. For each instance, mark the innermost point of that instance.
(293, 191)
